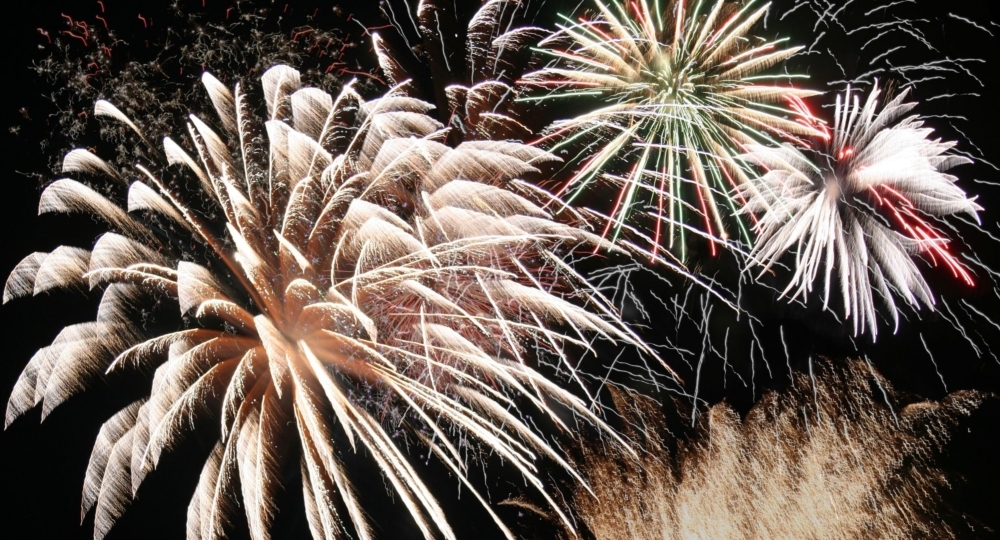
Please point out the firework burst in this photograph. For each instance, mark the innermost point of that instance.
(685, 86)
(473, 83)
(356, 284)
(861, 202)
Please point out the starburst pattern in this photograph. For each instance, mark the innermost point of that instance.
(860, 202)
(684, 86)
(354, 284)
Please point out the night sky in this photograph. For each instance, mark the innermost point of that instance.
(44, 464)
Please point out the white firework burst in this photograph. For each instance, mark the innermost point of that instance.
(858, 206)
(358, 285)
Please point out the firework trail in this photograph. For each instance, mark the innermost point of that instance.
(837, 456)
(347, 268)
(891, 40)
(684, 85)
(859, 202)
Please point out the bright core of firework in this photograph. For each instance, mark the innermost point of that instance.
(687, 85)
(860, 202)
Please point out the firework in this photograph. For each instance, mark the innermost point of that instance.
(473, 83)
(828, 458)
(334, 264)
(684, 86)
(93, 58)
(862, 201)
